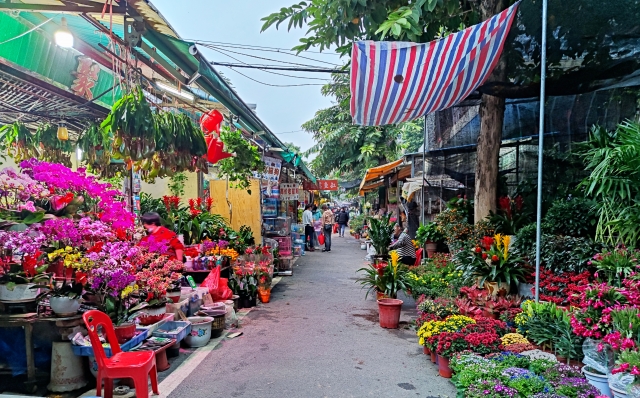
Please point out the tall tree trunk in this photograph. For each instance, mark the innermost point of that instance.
(491, 122)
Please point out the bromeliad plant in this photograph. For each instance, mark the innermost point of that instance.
(492, 262)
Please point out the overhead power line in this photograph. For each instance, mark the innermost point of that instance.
(290, 69)
(259, 48)
(262, 69)
(277, 85)
(263, 58)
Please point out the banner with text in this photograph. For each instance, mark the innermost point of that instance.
(289, 192)
(328, 185)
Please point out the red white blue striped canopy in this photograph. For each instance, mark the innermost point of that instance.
(394, 82)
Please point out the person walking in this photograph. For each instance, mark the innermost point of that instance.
(343, 221)
(327, 227)
(307, 221)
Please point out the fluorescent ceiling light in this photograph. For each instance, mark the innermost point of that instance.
(175, 91)
(63, 36)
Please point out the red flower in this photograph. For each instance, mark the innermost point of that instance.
(519, 203)
(96, 248)
(487, 242)
(494, 258)
(81, 277)
(505, 205)
(484, 256)
(478, 249)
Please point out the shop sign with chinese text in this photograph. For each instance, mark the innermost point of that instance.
(328, 185)
(289, 191)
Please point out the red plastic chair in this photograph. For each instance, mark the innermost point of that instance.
(418, 257)
(137, 365)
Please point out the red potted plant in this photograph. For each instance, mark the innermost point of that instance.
(449, 344)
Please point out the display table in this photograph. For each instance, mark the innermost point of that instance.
(25, 321)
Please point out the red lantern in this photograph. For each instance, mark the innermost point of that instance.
(210, 122)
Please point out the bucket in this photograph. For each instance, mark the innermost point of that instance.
(200, 331)
(389, 312)
(618, 393)
(598, 380)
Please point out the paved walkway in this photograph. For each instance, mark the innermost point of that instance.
(318, 337)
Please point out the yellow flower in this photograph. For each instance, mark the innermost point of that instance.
(498, 240)
(394, 258)
(127, 291)
(505, 241)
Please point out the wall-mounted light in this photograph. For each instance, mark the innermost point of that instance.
(185, 95)
(63, 36)
(63, 133)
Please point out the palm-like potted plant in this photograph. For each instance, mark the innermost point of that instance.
(428, 236)
(393, 281)
(380, 231)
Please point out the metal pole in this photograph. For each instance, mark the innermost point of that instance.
(543, 79)
(424, 167)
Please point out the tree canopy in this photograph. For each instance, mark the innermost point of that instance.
(346, 150)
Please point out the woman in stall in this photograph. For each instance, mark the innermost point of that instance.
(159, 235)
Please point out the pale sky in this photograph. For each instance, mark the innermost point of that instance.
(282, 109)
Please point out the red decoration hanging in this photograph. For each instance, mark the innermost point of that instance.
(215, 149)
(210, 122)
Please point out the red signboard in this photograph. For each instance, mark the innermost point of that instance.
(309, 186)
(328, 185)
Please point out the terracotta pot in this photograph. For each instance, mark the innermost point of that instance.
(426, 350)
(561, 359)
(390, 310)
(264, 295)
(125, 332)
(431, 248)
(489, 313)
(433, 357)
(443, 367)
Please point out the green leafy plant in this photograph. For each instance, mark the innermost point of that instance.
(96, 146)
(177, 183)
(18, 142)
(491, 262)
(565, 253)
(50, 148)
(239, 168)
(615, 266)
(428, 233)
(575, 217)
(380, 231)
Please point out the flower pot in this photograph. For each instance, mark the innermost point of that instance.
(363, 246)
(67, 371)
(598, 380)
(236, 302)
(431, 248)
(174, 296)
(200, 331)
(125, 332)
(380, 295)
(265, 295)
(443, 367)
(426, 350)
(524, 289)
(617, 393)
(20, 293)
(64, 305)
(433, 357)
(152, 315)
(389, 312)
(497, 288)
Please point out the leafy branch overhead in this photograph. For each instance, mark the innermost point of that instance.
(247, 160)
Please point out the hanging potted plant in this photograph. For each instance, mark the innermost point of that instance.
(394, 281)
(246, 160)
(428, 236)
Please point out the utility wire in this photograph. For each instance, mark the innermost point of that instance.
(277, 85)
(262, 58)
(266, 68)
(279, 52)
(257, 48)
(275, 73)
(27, 32)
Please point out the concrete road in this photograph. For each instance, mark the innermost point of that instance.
(319, 337)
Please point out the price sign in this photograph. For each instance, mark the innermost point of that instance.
(289, 192)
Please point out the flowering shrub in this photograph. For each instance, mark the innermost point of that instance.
(105, 202)
(614, 266)
(513, 338)
(562, 288)
(596, 303)
(483, 342)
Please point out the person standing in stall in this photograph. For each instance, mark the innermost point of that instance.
(307, 221)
